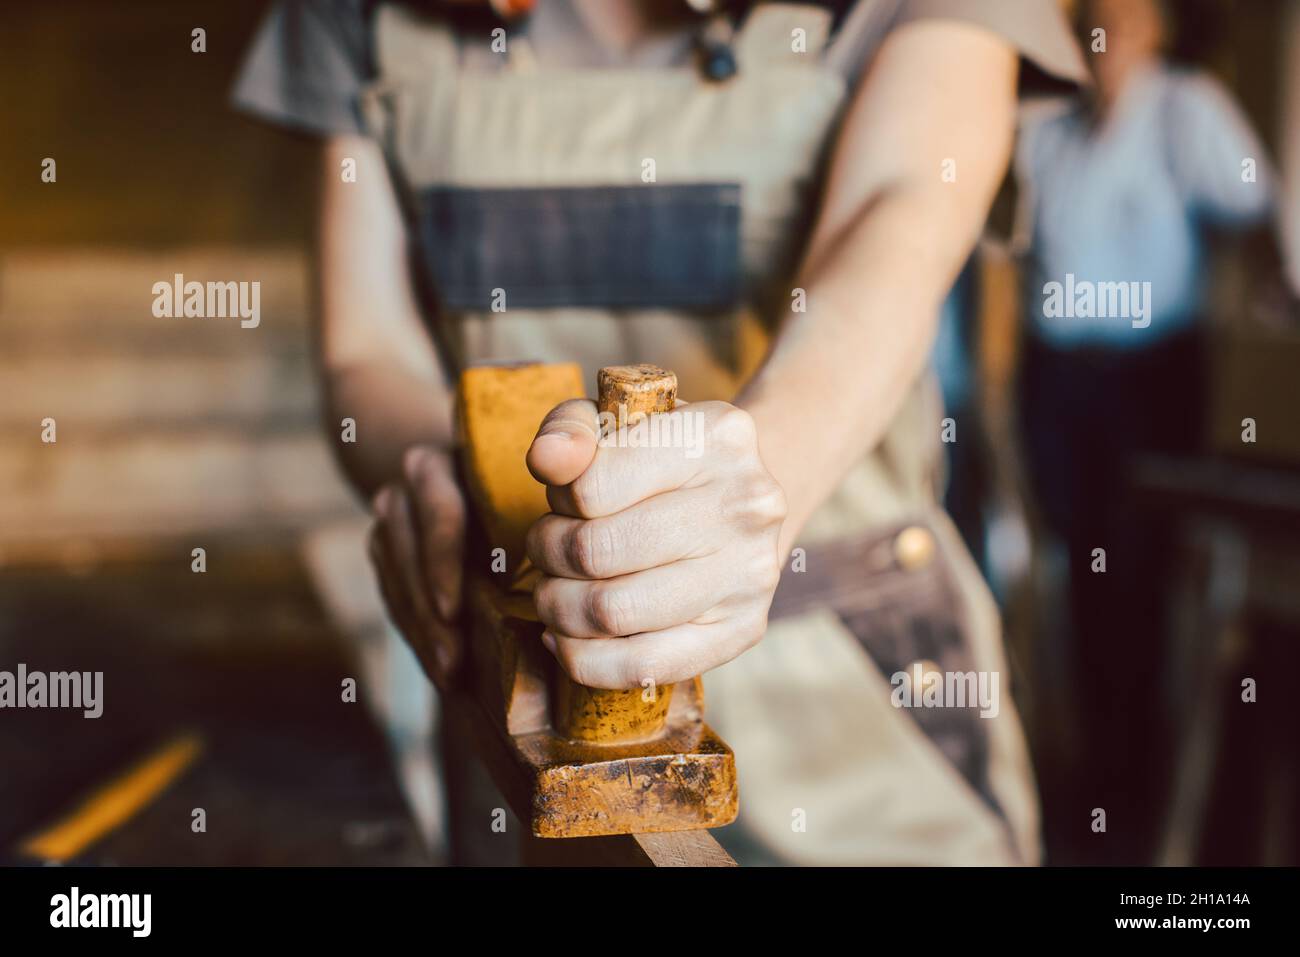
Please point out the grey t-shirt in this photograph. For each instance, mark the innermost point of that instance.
(311, 58)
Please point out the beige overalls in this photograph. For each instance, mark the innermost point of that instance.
(628, 215)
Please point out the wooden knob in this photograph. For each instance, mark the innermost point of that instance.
(630, 393)
(624, 396)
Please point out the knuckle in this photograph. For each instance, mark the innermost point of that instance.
(761, 500)
(765, 572)
(413, 464)
(588, 493)
(610, 610)
(757, 501)
(734, 429)
(591, 549)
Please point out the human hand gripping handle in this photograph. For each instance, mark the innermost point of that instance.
(417, 548)
(659, 557)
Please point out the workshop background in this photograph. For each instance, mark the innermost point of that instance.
(226, 686)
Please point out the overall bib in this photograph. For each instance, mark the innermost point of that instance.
(611, 216)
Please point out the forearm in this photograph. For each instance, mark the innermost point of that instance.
(380, 369)
(839, 372)
(393, 409)
(892, 234)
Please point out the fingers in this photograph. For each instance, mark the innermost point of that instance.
(668, 528)
(660, 657)
(664, 452)
(394, 550)
(440, 521)
(645, 601)
(396, 599)
(588, 476)
(397, 536)
(665, 531)
(402, 614)
(565, 443)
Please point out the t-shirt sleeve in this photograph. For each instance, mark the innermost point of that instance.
(307, 64)
(1051, 61)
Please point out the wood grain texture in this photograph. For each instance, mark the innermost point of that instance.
(683, 849)
(673, 849)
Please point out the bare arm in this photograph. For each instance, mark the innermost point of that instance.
(380, 369)
(377, 359)
(678, 557)
(891, 237)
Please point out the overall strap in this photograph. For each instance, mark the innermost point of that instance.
(783, 34)
(410, 48)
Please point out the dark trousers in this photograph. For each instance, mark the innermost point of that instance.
(1086, 416)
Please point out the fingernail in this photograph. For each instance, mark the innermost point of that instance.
(548, 640)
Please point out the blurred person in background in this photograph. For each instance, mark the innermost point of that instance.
(1124, 186)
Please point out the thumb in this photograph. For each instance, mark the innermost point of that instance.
(565, 443)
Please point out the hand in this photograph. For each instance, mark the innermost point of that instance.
(417, 546)
(671, 552)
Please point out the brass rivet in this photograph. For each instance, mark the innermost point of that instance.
(914, 547)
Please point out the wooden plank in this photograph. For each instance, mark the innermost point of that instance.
(683, 849)
(668, 849)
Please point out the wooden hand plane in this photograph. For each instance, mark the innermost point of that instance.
(572, 761)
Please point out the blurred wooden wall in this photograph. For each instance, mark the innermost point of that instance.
(166, 427)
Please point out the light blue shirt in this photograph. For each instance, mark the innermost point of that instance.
(1117, 213)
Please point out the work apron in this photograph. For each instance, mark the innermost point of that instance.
(611, 216)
